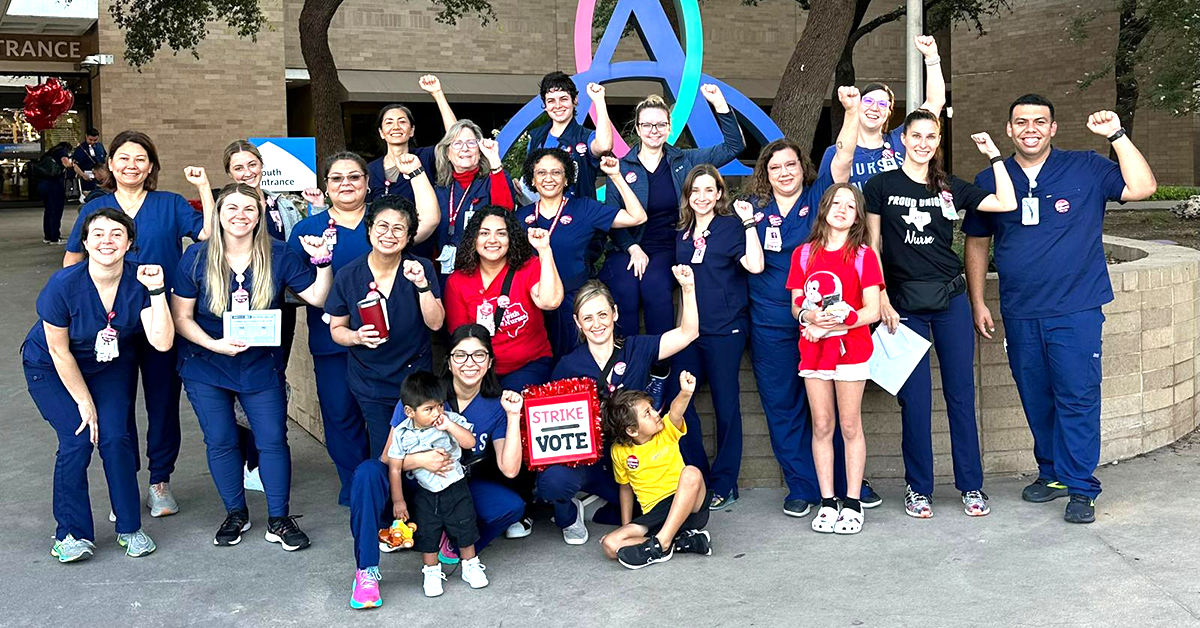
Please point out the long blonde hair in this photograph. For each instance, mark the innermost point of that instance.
(216, 267)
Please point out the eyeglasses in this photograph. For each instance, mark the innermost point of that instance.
(882, 102)
(647, 127)
(353, 177)
(790, 166)
(460, 357)
(553, 174)
(382, 228)
(460, 144)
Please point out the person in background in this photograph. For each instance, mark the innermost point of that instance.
(89, 154)
(50, 169)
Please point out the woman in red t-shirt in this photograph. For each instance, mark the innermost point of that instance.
(493, 246)
(835, 282)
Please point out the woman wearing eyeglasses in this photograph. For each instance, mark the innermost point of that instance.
(380, 359)
(345, 232)
(638, 267)
(572, 224)
(469, 177)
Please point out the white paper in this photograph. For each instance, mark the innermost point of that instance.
(895, 356)
(257, 328)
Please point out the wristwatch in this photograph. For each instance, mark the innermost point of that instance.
(415, 173)
(1118, 135)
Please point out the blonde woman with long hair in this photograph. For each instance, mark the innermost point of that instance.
(242, 269)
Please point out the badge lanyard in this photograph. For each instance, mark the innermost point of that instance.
(330, 235)
(701, 244)
(241, 298)
(454, 210)
(1030, 214)
(557, 215)
(106, 341)
(773, 240)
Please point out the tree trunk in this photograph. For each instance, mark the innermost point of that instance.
(324, 87)
(801, 94)
(844, 73)
(1132, 31)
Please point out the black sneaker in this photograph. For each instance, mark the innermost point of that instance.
(796, 507)
(1081, 509)
(1043, 490)
(868, 497)
(643, 554)
(692, 542)
(284, 531)
(230, 532)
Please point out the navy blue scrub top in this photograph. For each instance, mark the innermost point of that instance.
(164, 219)
(70, 300)
(377, 373)
(581, 220)
(351, 245)
(631, 371)
(662, 211)
(1057, 266)
(770, 300)
(490, 423)
(380, 186)
(721, 290)
(868, 162)
(256, 368)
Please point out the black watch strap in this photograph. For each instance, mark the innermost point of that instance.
(1118, 135)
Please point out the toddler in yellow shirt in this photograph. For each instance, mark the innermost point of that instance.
(647, 464)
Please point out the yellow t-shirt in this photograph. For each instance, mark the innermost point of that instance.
(653, 468)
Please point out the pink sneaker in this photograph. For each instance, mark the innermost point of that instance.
(366, 589)
(446, 553)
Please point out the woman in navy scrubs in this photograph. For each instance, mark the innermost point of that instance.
(413, 302)
(163, 219)
(243, 262)
(572, 223)
(638, 267)
(345, 232)
(397, 127)
(80, 367)
(469, 178)
(721, 252)
(785, 190)
(615, 362)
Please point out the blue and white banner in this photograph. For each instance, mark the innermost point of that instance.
(289, 163)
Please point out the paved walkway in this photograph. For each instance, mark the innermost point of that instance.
(1020, 566)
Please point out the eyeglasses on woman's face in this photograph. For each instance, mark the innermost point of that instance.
(353, 177)
(460, 357)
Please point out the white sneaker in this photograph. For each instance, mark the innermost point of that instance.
(434, 579)
(160, 501)
(251, 480)
(112, 516)
(472, 574)
(520, 529)
(577, 533)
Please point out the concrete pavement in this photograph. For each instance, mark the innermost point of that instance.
(1020, 566)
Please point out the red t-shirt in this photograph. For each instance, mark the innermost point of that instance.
(827, 263)
(521, 337)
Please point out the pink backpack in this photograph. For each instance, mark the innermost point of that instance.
(806, 248)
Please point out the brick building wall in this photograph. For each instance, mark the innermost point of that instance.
(192, 108)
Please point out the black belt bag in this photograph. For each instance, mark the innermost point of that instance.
(927, 296)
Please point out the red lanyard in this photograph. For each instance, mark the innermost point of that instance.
(454, 210)
(558, 214)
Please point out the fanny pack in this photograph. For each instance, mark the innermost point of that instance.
(928, 296)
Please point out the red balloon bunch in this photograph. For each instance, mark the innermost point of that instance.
(46, 102)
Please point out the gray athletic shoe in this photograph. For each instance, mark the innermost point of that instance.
(72, 549)
(160, 501)
(136, 544)
(577, 532)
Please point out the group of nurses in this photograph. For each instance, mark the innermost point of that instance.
(239, 270)
(163, 219)
(80, 366)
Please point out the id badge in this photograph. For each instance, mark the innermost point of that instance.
(330, 235)
(888, 164)
(446, 258)
(773, 240)
(240, 301)
(698, 254)
(1029, 210)
(107, 349)
(947, 202)
(467, 216)
(485, 315)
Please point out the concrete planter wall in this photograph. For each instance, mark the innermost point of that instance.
(1150, 370)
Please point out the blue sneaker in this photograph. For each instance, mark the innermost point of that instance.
(869, 498)
(718, 502)
(655, 390)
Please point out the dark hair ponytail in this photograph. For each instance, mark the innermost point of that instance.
(938, 179)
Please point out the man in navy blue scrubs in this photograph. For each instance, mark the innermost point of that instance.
(1053, 282)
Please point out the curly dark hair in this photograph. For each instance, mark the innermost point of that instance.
(531, 160)
(758, 185)
(519, 249)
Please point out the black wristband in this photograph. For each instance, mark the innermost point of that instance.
(997, 159)
(749, 223)
(427, 288)
(414, 174)
(324, 264)
(157, 291)
(1118, 135)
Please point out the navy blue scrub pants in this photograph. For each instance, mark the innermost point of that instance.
(558, 483)
(653, 294)
(775, 355)
(715, 360)
(267, 413)
(377, 411)
(954, 340)
(342, 419)
(560, 326)
(161, 388)
(54, 199)
(72, 505)
(532, 374)
(1056, 364)
(497, 506)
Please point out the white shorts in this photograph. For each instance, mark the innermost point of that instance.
(844, 373)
